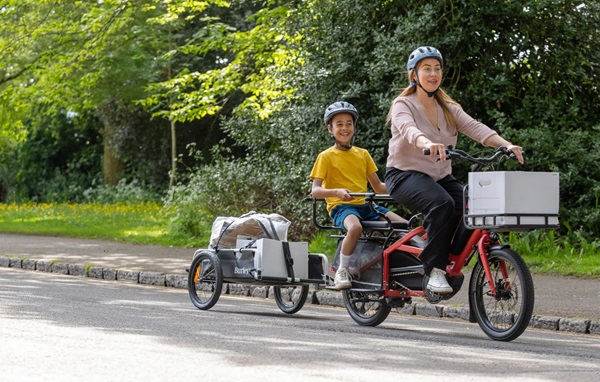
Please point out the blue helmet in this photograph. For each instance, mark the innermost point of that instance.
(421, 53)
(337, 108)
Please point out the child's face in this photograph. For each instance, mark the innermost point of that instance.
(342, 128)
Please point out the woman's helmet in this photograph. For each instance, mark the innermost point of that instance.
(421, 53)
(337, 108)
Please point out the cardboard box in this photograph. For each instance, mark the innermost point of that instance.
(513, 198)
(270, 260)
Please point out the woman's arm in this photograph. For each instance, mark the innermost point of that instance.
(497, 141)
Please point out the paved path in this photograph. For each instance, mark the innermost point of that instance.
(554, 296)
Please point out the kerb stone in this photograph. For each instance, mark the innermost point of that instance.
(60, 268)
(176, 281)
(128, 276)
(152, 278)
(15, 262)
(544, 322)
(572, 325)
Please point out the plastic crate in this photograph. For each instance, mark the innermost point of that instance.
(512, 200)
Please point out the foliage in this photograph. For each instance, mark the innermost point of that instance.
(124, 192)
(261, 73)
(67, 143)
(246, 59)
(233, 187)
(546, 253)
(141, 143)
(323, 243)
(490, 65)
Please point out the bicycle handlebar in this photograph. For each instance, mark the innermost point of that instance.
(371, 196)
(478, 163)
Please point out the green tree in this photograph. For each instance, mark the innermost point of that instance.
(525, 68)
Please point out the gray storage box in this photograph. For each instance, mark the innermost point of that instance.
(513, 200)
(270, 261)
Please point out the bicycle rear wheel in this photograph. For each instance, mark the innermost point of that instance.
(367, 309)
(505, 316)
(205, 280)
(292, 298)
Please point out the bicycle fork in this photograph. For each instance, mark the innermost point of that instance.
(483, 245)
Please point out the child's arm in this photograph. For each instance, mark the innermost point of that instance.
(320, 192)
(378, 186)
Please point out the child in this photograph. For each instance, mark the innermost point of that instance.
(343, 169)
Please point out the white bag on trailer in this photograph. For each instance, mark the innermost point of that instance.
(250, 226)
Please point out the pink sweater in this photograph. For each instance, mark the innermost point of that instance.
(409, 122)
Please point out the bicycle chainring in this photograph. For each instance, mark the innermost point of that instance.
(431, 297)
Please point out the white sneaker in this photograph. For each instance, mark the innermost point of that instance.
(438, 283)
(343, 279)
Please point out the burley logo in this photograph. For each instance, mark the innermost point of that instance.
(241, 271)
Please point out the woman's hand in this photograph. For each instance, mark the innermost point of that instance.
(518, 151)
(436, 149)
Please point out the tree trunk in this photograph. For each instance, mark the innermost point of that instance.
(173, 154)
(112, 163)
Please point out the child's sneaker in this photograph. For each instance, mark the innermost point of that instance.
(343, 279)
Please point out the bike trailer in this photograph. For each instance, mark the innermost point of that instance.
(272, 262)
(512, 200)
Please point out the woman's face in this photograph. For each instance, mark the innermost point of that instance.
(429, 71)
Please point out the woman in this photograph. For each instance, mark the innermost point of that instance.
(423, 116)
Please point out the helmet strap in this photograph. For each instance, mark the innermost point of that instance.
(346, 147)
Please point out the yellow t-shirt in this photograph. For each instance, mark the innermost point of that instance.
(347, 169)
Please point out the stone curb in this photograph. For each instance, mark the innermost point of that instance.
(317, 297)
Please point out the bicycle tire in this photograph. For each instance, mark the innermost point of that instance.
(205, 280)
(290, 299)
(366, 309)
(506, 316)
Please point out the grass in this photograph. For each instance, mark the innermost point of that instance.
(545, 253)
(144, 223)
(148, 223)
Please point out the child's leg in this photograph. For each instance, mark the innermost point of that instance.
(353, 232)
(343, 279)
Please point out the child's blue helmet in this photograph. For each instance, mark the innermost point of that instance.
(337, 108)
(421, 53)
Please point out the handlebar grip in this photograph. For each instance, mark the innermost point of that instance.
(426, 151)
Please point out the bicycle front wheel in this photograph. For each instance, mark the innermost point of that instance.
(505, 315)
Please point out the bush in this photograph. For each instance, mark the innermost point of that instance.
(124, 192)
(60, 158)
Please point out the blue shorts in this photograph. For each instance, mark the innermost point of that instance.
(362, 211)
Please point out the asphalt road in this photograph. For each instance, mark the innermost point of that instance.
(56, 327)
(563, 297)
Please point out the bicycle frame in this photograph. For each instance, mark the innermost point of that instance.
(479, 238)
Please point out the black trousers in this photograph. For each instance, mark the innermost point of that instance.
(441, 204)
